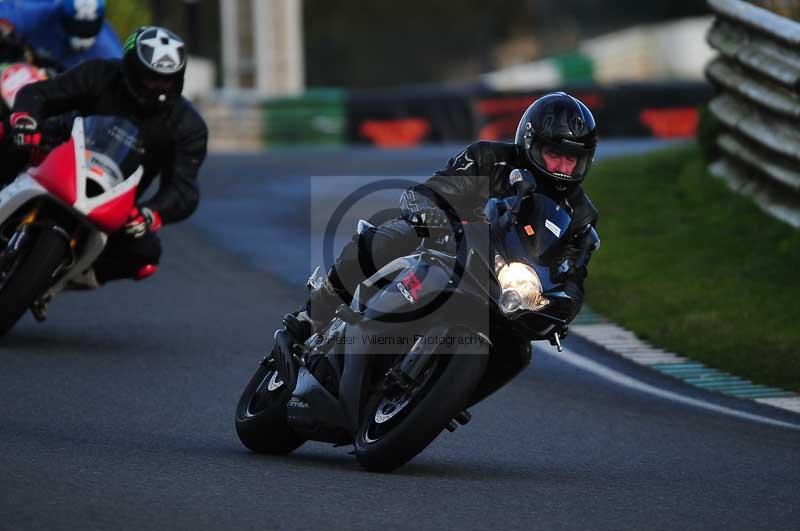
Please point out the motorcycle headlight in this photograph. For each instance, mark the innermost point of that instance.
(522, 289)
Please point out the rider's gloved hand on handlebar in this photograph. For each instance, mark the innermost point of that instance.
(421, 212)
(563, 270)
(25, 130)
(430, 218)
(141, 221)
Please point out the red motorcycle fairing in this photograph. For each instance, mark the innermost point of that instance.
(56, 173)
(111, 216)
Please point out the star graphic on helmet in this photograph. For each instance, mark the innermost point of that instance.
(165, 50)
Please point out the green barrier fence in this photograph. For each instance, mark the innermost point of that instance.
(575, 68)
(318, 117)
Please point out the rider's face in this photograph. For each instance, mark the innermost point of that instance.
(558, 161)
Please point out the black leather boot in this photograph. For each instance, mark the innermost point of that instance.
(298, 329)
(318, 311)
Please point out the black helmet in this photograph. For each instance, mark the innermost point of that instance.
(563, 124)
(153, 64)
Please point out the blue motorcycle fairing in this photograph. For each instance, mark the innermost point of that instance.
(541, 225)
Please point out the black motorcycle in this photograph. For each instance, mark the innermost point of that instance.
(426, 337)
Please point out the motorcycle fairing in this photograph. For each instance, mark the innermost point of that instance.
(19, 192)
(542, 224)
(56, 173)
(93, 245)
(25, 189)
(409, 295)
(357, 359)
(66, 174)
(55, 180)
(551, 223)
(111, 216)
(390, 313)
(312, 409)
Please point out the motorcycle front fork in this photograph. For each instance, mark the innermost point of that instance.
(16, 241)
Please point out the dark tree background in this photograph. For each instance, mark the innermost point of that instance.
(383, 42)
(196, 21)
(358, 43)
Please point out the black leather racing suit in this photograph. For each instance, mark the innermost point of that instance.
(463, 187)
(174, 137)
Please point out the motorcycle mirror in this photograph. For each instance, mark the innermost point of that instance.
(522, 180)
(524, 183)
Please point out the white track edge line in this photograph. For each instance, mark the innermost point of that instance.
(626, 381)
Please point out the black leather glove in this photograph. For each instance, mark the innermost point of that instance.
(421, 212)
(563, 270)
(577, 252)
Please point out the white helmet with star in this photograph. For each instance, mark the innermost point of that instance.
(154, 62)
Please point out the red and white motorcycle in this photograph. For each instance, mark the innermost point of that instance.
(55, 218)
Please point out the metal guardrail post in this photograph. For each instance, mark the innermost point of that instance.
(757, 77)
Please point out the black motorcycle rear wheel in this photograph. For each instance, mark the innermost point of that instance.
(396, 428)
(28, 275)
(261, 414)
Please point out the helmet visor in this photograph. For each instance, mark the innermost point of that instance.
(561, 163)
(156, 88)
(84, 29)
(159, 85)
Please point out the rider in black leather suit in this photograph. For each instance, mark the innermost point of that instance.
(555, 141)
(145, 87)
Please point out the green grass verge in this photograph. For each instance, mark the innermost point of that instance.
(693, 268)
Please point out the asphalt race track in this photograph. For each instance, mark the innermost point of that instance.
(118, 412)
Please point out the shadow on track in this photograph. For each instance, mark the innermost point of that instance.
(450, 469)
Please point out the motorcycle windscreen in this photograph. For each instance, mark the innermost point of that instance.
(542, 224)
(114, 149)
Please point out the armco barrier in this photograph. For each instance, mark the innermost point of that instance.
(757, 76)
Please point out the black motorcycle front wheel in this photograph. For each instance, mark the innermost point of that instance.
(28, 274)
(261, 413)
(397, 426)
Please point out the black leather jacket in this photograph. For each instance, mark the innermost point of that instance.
(481, 171)
(175, 138)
